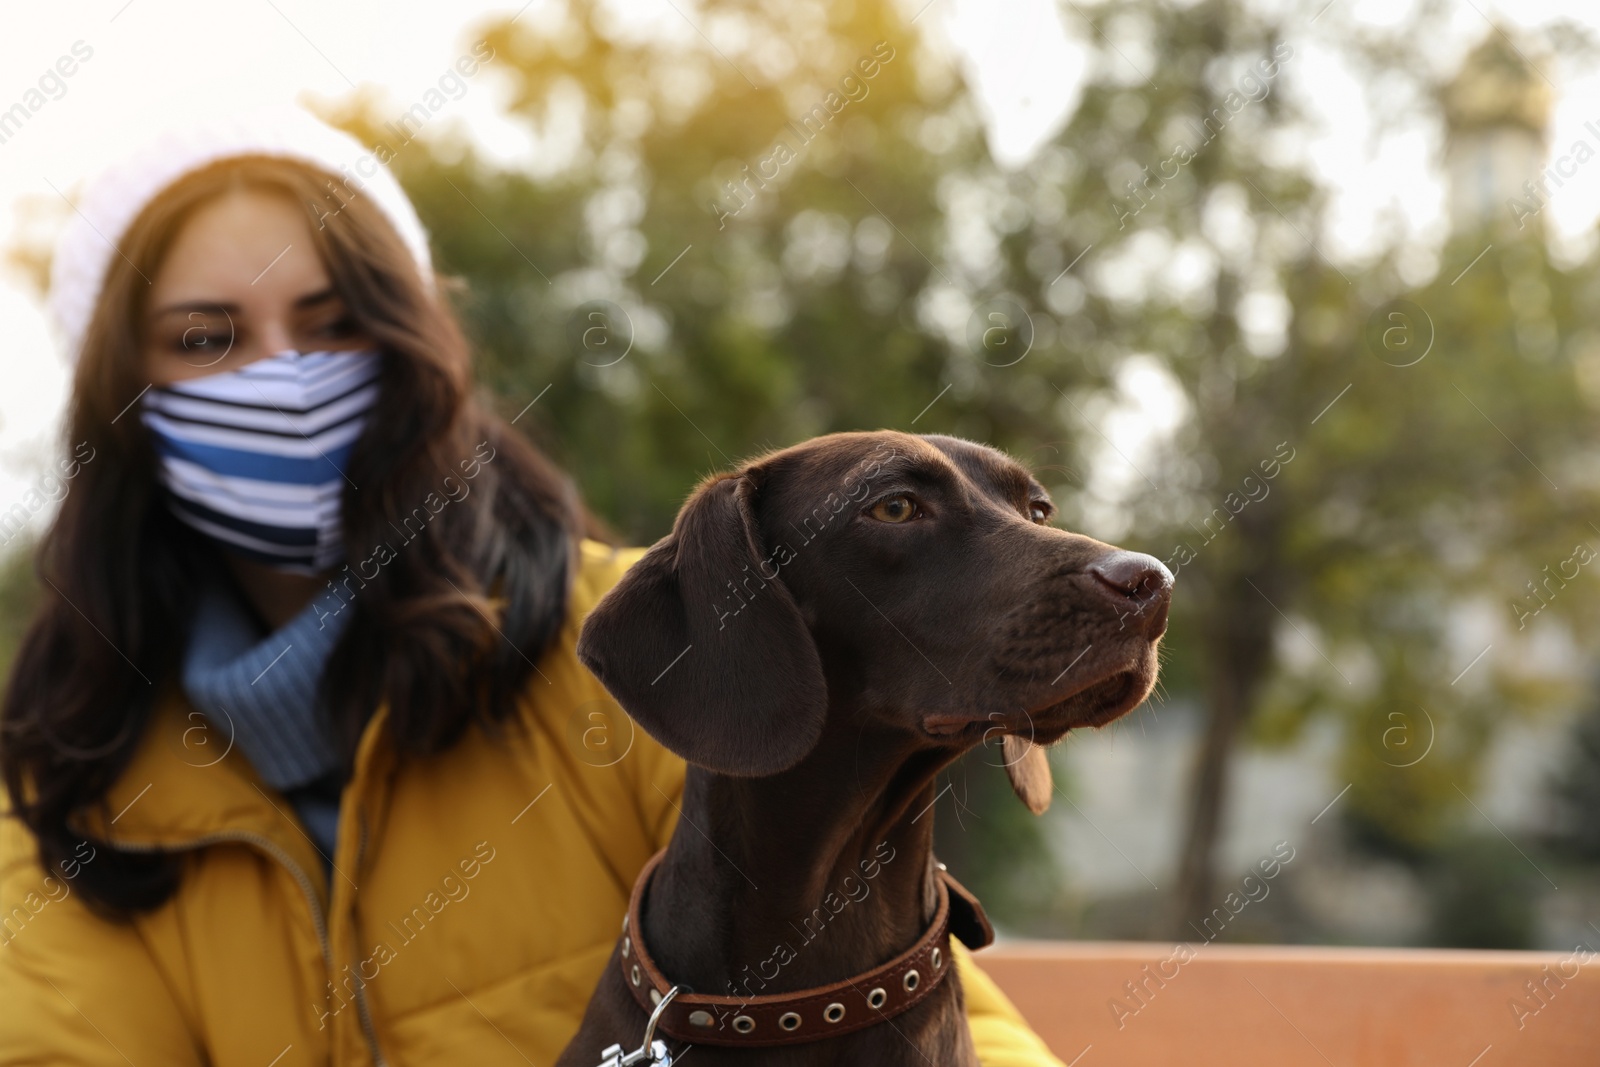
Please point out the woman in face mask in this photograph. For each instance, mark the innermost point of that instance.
(300, 762)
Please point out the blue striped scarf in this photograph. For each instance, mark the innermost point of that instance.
(259, 691)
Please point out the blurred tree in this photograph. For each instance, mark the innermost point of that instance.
(684, 291)
(683, 310)
(1483, 894)
(19, 597)
(1576, 787)
(1334, 551)
(798, 228)
(749, 243)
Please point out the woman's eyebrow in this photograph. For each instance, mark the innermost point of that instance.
(318, 297)
(196, 305)
(321, 296)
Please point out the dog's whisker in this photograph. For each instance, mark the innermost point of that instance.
(961, 801)
(962, 805)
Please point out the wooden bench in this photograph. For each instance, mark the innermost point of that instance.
(1131, 1004)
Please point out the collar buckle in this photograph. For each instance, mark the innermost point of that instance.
(652, 1051)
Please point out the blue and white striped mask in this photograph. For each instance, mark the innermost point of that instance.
(254, 458)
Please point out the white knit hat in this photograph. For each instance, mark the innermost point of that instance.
(119, 193)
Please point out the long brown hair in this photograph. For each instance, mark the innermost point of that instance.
(118, 570)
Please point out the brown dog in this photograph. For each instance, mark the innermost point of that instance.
(821, 633)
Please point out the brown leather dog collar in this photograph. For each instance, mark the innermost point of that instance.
(806, 1014)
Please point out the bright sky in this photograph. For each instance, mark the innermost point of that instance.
(156, 62)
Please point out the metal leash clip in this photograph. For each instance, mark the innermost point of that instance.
(650, 1053)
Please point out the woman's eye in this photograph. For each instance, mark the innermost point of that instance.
(341, 327)
(894, 509)
(202, 335)
(1039, 514)
(200, 342)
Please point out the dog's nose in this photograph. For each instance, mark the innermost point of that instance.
(1138, 582)
(1132, 574)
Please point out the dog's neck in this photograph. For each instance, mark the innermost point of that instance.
(803, 878)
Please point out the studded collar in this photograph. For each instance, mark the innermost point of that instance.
(804, 1015)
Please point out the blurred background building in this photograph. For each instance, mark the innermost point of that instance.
(1497, 113)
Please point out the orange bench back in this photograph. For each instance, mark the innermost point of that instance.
(1132, 1004)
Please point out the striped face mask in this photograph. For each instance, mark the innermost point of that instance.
(254, 458)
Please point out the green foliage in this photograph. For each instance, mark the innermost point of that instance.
(1577, 788)
(1418, 496)
(650, 312)
(666, 334)
(1483, 895)
(19, 598)
(836, 297)
(796, 316)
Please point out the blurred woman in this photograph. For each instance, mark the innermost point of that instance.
(301, 765)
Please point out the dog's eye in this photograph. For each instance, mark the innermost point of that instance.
(894, 509)
(1039, 513)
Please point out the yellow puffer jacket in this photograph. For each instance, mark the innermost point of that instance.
(475, 898)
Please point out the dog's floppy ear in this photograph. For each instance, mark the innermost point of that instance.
(1029, 772)
(710, 656)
